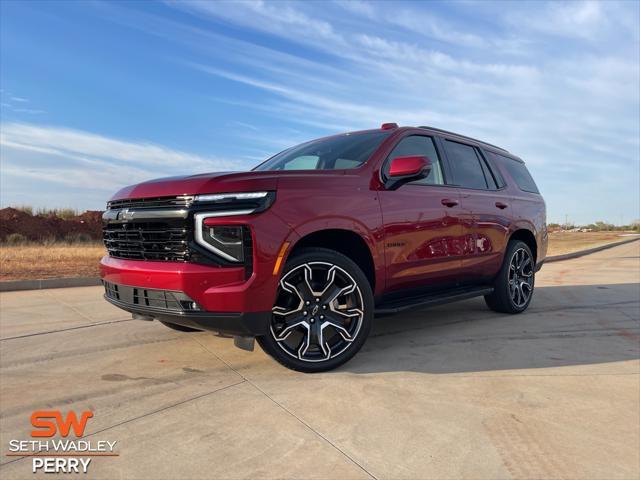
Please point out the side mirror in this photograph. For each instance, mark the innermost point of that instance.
(407, 169)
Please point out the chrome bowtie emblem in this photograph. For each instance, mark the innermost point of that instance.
(125, 215)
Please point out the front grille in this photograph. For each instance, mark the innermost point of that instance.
(147, 241)
(146, 297)
(163, 232)
(176, 201)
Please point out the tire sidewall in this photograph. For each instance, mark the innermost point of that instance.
(513, 248)
(269, 344)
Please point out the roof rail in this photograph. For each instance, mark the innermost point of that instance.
(464, 136)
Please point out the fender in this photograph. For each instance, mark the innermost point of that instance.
(376, 249)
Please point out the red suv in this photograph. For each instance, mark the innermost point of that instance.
(301, 252)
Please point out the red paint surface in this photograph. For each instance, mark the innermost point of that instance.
(413, 238)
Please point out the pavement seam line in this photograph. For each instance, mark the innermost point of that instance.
(548, 375)
(144, 415)
(47, 293)
(628, 316)
(66, 329)
(285, 409)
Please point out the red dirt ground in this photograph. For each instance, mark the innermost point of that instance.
(49, 227)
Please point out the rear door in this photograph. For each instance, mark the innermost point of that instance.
(421, 223)
(486, 212)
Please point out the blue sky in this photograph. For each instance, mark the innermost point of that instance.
(98, 95)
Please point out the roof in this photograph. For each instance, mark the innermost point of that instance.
(464, 136)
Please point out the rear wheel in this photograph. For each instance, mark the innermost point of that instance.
(513, 288)
(323, 312)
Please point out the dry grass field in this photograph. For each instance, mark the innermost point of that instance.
(567, 242)
(33, 261)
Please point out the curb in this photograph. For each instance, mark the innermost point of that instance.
(569, 256)
(17, 285)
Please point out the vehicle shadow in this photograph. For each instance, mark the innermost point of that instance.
(564, 325)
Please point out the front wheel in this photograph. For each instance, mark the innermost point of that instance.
(323, 312)
(513, 288)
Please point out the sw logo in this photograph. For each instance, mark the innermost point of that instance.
(58, 457)
(51, 421)
(52, 452)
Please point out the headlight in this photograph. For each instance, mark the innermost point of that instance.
(226, 197)
(254, 201)
(225, 240)
(229, 242)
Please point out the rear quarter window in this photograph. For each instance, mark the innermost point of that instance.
(518, 171)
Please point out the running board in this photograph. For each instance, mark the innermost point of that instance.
(424, 301)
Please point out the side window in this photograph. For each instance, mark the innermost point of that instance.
(492, 159)
(487, 174)
(467, 169)
(345, 163)
(418, 145)
(518, 171)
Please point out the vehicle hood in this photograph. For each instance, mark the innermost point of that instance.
(220, 182)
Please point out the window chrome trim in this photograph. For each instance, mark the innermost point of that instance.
(199, 218)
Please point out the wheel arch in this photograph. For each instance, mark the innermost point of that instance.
(527, 236)
(347, 242)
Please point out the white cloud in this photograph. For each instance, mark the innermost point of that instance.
(71, 143)
(359, 7)
(554, 82)
(55, 157)
(16, 104)
(580, 19)
(280, 18)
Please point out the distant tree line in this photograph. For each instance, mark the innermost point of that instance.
(598, 226)
(64, 213)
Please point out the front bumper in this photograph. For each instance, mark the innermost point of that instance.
(230, 298)
(215, 289)
(174, 307)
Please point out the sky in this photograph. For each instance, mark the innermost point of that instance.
(97, 95)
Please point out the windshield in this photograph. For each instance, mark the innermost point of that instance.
(349, 150)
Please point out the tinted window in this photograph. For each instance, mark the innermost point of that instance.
(418, 145)
(491, 159)
(519, 173)
(349, 150)
(488, 175)
(467, 170)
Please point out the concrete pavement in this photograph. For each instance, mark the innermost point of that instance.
(455, 391)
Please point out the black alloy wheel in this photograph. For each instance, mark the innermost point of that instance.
(322, 314)
(514, 284)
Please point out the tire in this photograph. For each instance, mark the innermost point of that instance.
(316, 336)
(179, 328)
(514, 284)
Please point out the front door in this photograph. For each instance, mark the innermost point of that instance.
(422, 230)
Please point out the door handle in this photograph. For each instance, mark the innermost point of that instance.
(449, 203)
(501, 205)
